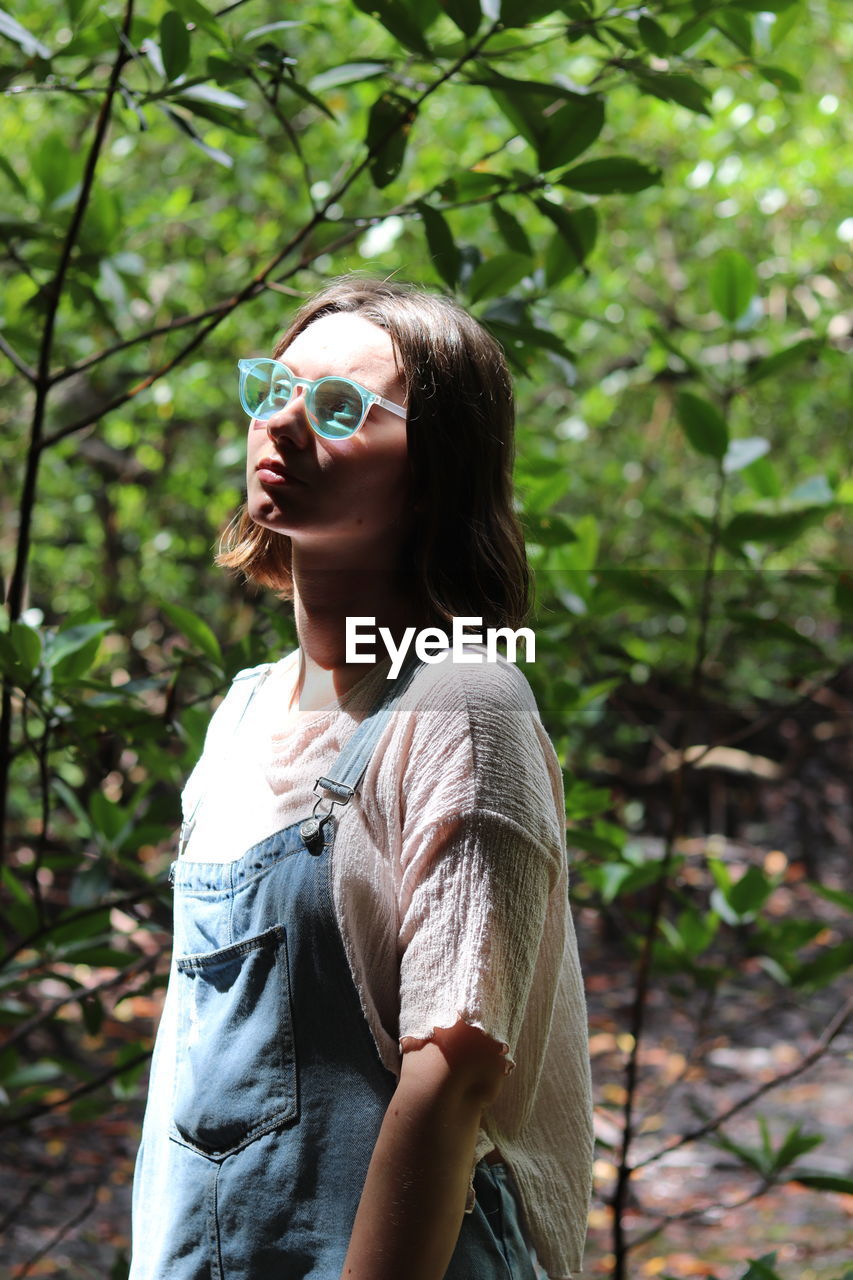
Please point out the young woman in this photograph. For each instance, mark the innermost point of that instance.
(372, 1061)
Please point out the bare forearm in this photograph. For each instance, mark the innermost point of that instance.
(413, 1202)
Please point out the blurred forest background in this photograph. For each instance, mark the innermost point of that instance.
(650, 207)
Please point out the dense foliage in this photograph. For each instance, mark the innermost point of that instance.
(645, 205)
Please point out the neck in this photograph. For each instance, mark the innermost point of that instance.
(325, 595)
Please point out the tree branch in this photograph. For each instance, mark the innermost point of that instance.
(259, 281)
(145, 962)
(833, 1028)
(60, 1234)
(44, 1108)
(11, 354)
(697, 1212)
(625, 1171)
(151, 891)
(42, 387)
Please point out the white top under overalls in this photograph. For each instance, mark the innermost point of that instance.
(449, 877)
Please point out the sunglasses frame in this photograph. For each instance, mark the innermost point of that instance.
(308, 387)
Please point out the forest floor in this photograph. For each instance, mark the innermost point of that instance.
(65, 1187)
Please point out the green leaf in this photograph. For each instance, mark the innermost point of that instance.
(56, 167)
(108, 818)
(180, 122)
(442, 247)
(737, 28)
(407, 20)
(653, 36)
(472, 185)
(750, 893)
(550, 530)
(590, 842)
(733, 284)
(5, 167)
(511, 231)
(642, 586)
(825, 967)
(793, 1145)
(672, 346)
(71, 639)
(194, 11)
(12, 30)
(174, 44)
(347, 73)
(838, 896)
(769, 366)
(780, 528)
(558, 123)
(497, 275)
(586, 801)
(522, 340)
(520, 13)
(569, 130)
(211, 94)
(609, 176)
(388, 127)
(703, 424)
(23, 912)
(823, 1182)
(465, 13)
(27, 645)
(762, 1268)
(759, 628)
(672, 87)
(197, 631)
(780, 77)
(577, 230)
(763, 478)
(741, 453)
(269, 28)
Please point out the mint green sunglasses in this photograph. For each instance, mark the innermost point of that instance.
(336, 407)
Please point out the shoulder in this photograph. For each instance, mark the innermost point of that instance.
(237, 695)
(479, 721)
(474, 694)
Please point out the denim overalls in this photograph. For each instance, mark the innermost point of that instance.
(255, 1168)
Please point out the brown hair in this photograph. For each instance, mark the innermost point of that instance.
(466, 555)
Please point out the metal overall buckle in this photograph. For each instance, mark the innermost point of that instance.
(311, 830)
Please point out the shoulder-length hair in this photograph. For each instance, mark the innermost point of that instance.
(466, 554)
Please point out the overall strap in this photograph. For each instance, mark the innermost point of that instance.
(349, 768)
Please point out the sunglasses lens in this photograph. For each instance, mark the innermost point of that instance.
(266, 389)
(337, 407)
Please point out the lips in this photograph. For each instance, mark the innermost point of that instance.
(273, 471)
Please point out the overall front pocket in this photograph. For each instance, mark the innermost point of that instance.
(235, 1075)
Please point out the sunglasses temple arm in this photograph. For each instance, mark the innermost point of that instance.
(393, 408)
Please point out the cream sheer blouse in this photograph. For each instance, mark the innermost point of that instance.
(449, 874)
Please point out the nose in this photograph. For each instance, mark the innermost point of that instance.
(290, 421)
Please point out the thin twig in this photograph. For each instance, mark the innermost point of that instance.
(20, 1205)
(258, 281)
(11, 355)
(271, 100)
(697, 1212)
(170, 326)
(45, 1014)
(42, 386)
(833, 1028)
(151, 891)
(638, 1011)
(44, 1108)
(72, 1222)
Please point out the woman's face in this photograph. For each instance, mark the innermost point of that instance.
(347, 497)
